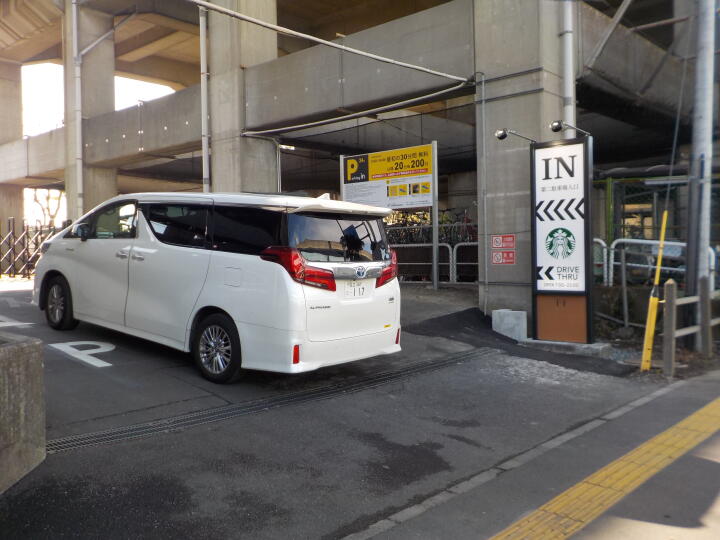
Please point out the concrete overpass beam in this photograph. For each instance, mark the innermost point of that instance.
(11, 197)
(238, 163)
(98, 97)
(518, 48)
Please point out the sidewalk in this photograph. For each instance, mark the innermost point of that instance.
(680, 501)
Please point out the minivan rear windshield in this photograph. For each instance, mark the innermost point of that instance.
(322, 237)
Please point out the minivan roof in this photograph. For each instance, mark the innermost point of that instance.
(292, 202)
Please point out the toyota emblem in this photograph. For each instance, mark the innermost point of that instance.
(360, 272)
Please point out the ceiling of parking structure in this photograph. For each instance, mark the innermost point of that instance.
(643, 12)
(27, 28)
(331, 19)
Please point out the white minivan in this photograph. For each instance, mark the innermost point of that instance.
(242, 281)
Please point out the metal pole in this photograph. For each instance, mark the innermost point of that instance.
(435, 232)
(77, 61)
(623, 285)
(204, 120)
(704, 304)
(669, 324)
(568, 67)
(703, 127)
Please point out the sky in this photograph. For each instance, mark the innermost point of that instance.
(43, 104)
(42, 96)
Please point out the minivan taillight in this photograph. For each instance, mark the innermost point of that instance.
(291, 260)
(389, 272)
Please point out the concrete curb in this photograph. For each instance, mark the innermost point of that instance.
(596, 350)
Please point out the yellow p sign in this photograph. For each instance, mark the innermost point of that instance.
(351, 166)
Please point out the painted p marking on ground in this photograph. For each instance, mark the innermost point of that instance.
(85, 355)
(578, 506)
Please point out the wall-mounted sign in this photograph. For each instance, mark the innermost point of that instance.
(501, 256)
(502, 241)
(560, 239)
(401, 178)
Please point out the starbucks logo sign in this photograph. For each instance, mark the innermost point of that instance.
(560, 243)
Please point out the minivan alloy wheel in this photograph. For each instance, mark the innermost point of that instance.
(215, 349)
(56, 303)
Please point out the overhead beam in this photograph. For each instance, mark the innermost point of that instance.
(173, 73)
(152, 46)
(169, 22)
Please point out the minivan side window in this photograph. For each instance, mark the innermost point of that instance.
(242, 229)
(178, 224)
(114, 221)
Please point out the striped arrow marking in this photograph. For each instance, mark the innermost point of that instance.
(560, 210)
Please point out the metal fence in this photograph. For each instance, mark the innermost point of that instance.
(20, 247)
(633, 208)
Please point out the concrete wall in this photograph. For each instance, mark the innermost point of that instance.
(317, 81)
(517, 47)
(11, 197)
(238, 163)
(22, 407)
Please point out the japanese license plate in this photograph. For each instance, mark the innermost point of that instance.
(356, 289)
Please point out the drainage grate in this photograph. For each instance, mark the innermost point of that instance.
(227, 412)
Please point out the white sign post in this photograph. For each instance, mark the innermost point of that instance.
(561, 248)
(560, 218)
(398, 179)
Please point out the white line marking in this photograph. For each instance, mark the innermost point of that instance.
(85, 355)
(6, 322)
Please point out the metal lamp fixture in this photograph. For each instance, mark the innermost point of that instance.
(559, 125)
(501, 134)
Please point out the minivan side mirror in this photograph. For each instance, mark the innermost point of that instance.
(82, 231)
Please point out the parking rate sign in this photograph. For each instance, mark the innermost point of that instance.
(395, 179)
(560, 180)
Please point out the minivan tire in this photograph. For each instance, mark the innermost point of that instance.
(58, 305)
(216, 349)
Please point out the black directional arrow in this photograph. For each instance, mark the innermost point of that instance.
(538, 275)
(568, 209)
(537, 210)
(557, 209)
(547, 273)
(579, 210)
(547, 213)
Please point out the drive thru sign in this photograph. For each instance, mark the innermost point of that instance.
(561, 249)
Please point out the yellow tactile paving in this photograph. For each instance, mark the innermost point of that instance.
(575, 508)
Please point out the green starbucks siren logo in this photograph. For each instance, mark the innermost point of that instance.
(560, 243)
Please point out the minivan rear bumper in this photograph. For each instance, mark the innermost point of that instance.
(278, 349)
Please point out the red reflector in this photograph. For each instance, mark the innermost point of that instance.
(296, 354)
(397, 338)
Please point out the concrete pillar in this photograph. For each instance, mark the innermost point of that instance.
(11, 197)
(98, 97)
(517, 47)
(238, 163)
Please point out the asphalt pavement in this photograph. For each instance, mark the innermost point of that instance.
(144, 447)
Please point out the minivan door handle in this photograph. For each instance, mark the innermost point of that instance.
(137, 257)
(122, 254)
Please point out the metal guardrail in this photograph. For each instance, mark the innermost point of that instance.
(638, 241)
(426, 263)
(704, 328)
